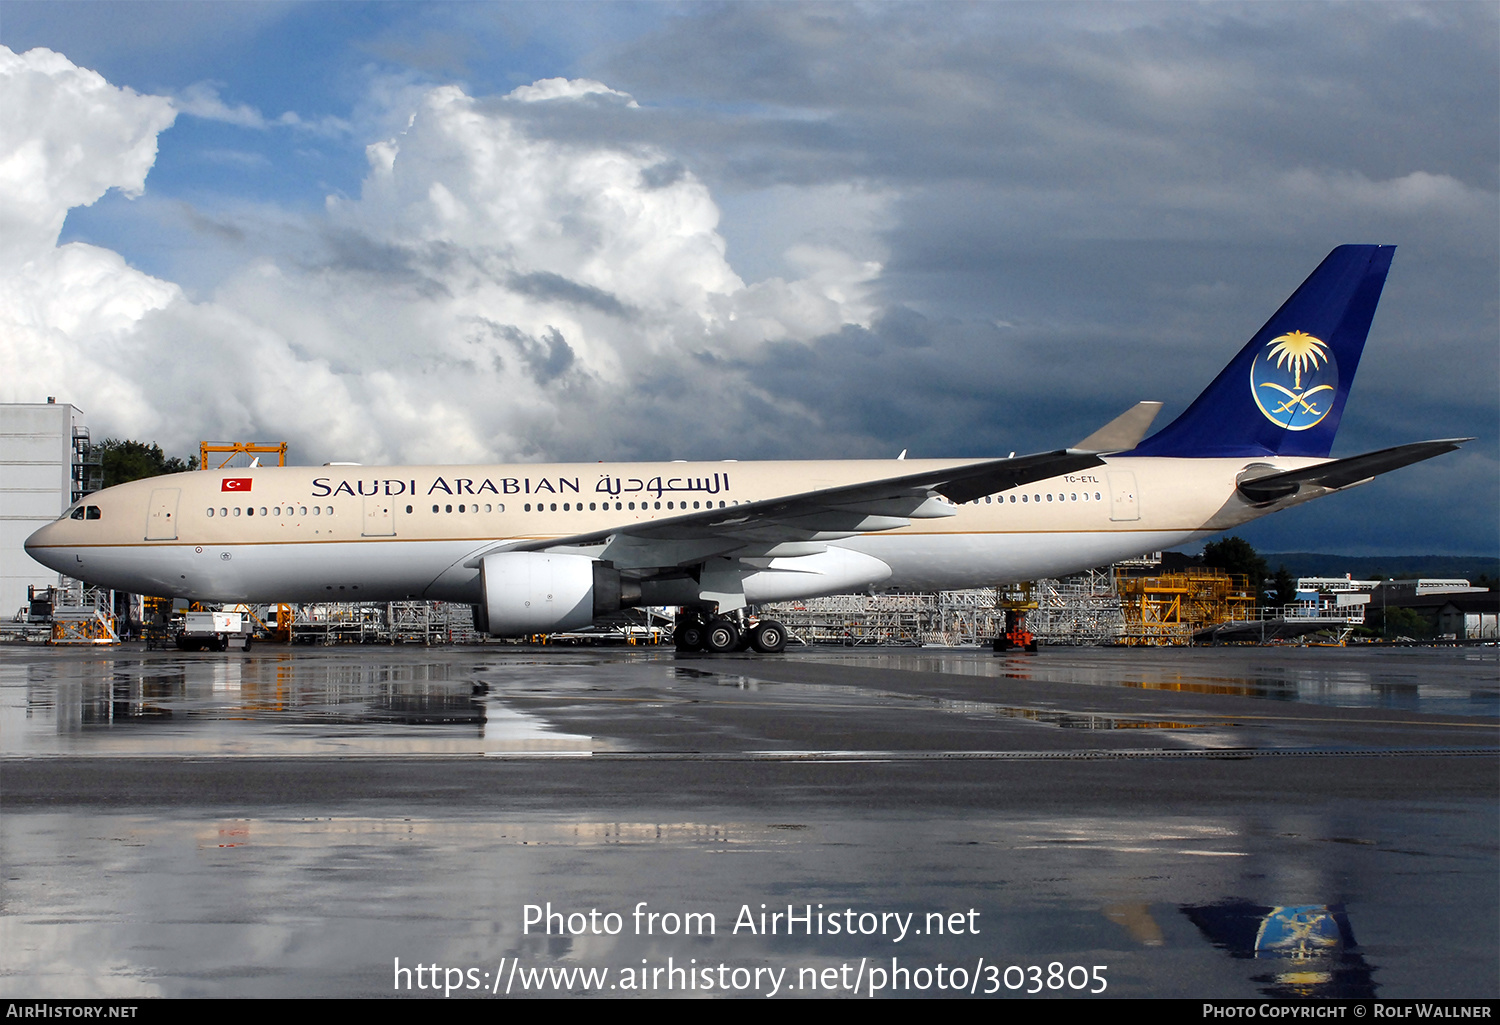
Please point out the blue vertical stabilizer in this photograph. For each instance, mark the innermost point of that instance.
(1284, 393)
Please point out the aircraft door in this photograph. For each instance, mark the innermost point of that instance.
(380, 516)
(161, 520)
(1123, 504)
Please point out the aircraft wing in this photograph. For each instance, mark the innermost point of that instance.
(760, 528)
(1340, 473)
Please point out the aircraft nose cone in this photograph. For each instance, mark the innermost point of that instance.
(39, 547)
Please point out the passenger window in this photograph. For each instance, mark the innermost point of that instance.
(210, 510)
(236, 510)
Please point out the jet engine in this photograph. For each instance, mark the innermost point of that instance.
(534, 592)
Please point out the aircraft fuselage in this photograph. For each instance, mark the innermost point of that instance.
(351, 533)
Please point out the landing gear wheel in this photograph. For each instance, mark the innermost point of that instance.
(721, 636)
(769, 638)
(689, 634)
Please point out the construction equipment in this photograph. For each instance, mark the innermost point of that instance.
(1168, 609)
(1017, 600)
(254, 449)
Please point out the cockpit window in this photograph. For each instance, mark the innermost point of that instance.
(77, 514)
(93, 513)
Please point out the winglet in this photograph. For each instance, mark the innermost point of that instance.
(1123, 432)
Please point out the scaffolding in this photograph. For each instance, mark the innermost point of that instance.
(82, 615)
(854, 619)
(400, 622)
(1077, 610)
(1169, 609)
(1084, 609)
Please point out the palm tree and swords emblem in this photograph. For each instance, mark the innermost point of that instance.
(1300, 356)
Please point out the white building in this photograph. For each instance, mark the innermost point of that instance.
(42, 451)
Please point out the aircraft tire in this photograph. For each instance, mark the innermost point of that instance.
(689, 635)
(769, 638)
(720, 636)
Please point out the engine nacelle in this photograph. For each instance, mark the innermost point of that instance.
(533, 592)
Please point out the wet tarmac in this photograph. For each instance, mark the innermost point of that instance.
(337, 822)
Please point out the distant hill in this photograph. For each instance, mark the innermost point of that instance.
(1366, 567)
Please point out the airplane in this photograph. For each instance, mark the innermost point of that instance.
(543, 548)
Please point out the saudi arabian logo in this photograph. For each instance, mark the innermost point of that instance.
(1295, 380)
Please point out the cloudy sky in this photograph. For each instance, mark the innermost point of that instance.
(462, 232)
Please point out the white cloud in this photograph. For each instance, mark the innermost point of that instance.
(69, 137)
(492, 293)
(202, 99)
(566, 89)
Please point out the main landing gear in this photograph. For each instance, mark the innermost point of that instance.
(698, 631)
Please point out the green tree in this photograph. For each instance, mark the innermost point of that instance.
(1399, 622)
(1235, 555)
(122, 460)
(1286, 587)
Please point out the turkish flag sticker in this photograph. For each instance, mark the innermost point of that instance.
(236, 484)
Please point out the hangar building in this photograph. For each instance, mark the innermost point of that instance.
(44, 468)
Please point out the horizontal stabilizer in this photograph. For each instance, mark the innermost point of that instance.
(1340, 473)
(1123, 432)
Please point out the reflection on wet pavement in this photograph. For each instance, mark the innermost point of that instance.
(120, 904)
(1441, 681)
(320, 813)
(477, 702)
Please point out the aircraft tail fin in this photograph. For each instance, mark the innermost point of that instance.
(1285, 391)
